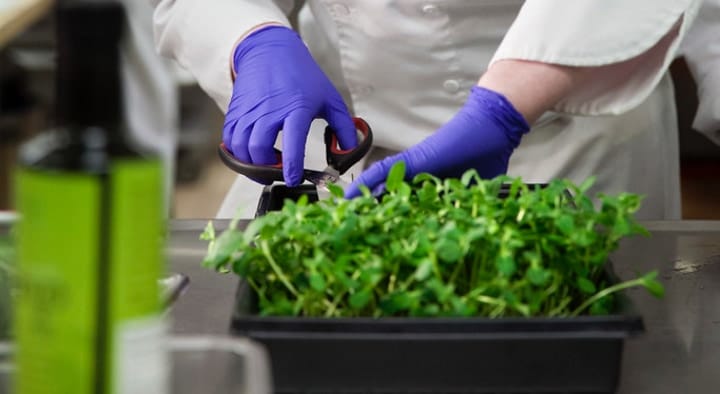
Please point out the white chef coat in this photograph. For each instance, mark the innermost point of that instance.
(150, 89)
(406, 66)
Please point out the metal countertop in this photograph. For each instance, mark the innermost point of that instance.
(678, 354)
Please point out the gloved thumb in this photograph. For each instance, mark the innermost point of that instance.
(374, 177)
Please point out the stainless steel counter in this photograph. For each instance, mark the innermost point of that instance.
(678, 354)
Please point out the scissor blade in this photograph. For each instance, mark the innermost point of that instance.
(322, 178)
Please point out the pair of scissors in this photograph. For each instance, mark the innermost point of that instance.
(338, 160)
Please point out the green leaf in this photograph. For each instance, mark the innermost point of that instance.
(565, 223)
(252, 230)
(506, 264)
(538, 276)
(584, 203)
(587, 184)
(302, 201)
(281, 306)
(431, 310)
(510, 297)
(427, 194)
(424, 269)
(370, 276)
(242, 265)
(360, 299)
(426, 178)
(317, 281)
(515, 187)
(583, 238)
(586, 286)
(395, 177)
(404, 191)
(652, 285)
(335, 190)
(222, 249)
(375, 239)
(621, 227)
(603, 306)
(449, 250)
(396, 302)
(461, 308)
(441, 291)
(469, 177)
(209, 233)
(639, 229)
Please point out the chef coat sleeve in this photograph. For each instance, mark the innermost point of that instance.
(201, 35)
(701, 49)
(630, 42)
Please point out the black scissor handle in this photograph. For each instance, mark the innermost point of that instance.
(267, 173)
(339, 159)
(342, 160)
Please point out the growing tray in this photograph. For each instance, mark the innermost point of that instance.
(434, 355)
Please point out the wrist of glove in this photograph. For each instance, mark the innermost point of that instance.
(482, 135)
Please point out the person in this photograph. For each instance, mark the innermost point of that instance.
(588, 78)
(150, 87)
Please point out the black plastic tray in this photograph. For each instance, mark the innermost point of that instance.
(434, 355)
(273, 196)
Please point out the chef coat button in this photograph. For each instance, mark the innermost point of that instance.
(341, 9)
(430, 10)
(451, 86)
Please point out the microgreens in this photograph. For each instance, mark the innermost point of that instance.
(432, 247)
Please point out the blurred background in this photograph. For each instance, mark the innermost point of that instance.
(199, 180)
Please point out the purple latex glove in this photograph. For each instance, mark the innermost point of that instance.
(482, 135)
(279, 86)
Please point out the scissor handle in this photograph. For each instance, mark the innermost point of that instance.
(339, 159)
(268, 173)
(342, 160)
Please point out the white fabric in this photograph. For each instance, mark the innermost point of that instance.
(406, 67)
(152, 103)
(601, 33)
(201, 35)
(633, 152)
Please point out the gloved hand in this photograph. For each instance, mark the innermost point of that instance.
(279, 86)
(482, 135)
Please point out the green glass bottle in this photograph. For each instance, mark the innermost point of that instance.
(91, 231)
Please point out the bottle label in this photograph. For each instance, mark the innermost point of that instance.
(140, 357)
(136, 256)
(89, 257)
(58, 254)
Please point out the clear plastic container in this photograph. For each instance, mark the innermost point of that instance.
(199, 365)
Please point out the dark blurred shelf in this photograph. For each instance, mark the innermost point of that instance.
(700, 182)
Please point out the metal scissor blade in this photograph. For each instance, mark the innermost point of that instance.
(322, 178)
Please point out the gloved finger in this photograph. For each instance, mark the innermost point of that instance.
(338, 117)
(262, 140)
(227, 133)
(237, 138)
(239, 146)
(373, 177)
(378, 190)
(295, 131)
(232, 117)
